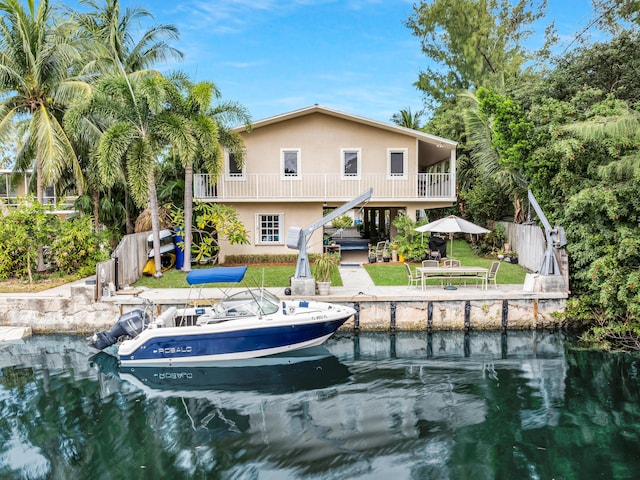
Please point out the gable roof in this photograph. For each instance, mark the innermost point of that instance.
(353, 118)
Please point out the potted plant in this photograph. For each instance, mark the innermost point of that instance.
(372, 254)
(324, 268)
(386, 255)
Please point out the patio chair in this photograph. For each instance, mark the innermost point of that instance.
(493, 274)
(430, 263)
(414, 278)
(451, 263)
(380, 248)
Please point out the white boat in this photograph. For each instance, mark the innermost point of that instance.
(249, 324)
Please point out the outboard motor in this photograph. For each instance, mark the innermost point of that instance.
(130, 323)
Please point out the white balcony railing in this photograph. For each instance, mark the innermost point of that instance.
(313, 187)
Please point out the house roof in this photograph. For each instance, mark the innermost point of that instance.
(354, 118)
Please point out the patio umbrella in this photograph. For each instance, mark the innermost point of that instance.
(452, 224)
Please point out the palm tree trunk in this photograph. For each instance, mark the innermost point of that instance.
(40, 194)
(130, 228)
(95, 198)
(188, 215)
(155, 223)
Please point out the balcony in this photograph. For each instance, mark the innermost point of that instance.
(418, 187)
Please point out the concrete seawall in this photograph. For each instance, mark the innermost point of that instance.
(72, 308)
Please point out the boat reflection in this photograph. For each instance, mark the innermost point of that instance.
(309, 369)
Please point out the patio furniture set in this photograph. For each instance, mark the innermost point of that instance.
(451, 270)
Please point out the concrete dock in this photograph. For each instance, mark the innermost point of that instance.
(72, 308)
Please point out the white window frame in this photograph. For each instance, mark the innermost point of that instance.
(405, 157)
(358, 152)
(258, 230)
(234, 177)
(298, 174)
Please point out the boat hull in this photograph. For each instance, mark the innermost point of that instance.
(228, 341)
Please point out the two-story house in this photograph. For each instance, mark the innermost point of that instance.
(298, 164)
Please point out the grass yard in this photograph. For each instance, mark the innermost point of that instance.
(382, 274)
(274, 276)
(394, 274)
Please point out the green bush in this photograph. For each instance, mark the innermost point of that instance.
(69, 246)
(77, 248)
(25, 228)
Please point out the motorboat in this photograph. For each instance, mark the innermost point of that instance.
(250, 323)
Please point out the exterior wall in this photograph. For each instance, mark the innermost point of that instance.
(320, 139)
(295, 215)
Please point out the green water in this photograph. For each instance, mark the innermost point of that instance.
(526, 405)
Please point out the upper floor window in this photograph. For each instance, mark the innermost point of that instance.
(234, 169)
(397, 162)
(290, 162)
(351, 163)
(269, 228)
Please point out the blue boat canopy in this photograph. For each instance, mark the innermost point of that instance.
(216, 275)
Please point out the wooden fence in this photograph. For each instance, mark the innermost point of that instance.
(126, 264)
(530, 243)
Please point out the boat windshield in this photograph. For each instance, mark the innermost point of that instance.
(250, 302)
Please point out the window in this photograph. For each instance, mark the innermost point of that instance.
(350, 160)
(269, 228)
(397, 162)
(290, 162)
(234, 170)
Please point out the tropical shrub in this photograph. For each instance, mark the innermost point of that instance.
(76, 248)
(25, 228)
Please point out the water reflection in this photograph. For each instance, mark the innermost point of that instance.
(297, 371)
(410, 405)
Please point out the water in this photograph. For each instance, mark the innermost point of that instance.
(373, 406)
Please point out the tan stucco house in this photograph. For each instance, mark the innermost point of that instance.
(300, 163)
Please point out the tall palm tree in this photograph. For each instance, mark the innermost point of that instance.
(37, 58)
(210, 126)
(142, 129)
(114, 49)
(38, 55)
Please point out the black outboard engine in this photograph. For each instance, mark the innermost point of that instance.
(130, 324)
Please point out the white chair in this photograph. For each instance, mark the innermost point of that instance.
(430, 263)
(493, 274)
(414, 278)
(451, 263)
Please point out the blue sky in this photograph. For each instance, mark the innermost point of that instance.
(274, 56)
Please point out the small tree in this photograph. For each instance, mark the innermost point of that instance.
(210, 221)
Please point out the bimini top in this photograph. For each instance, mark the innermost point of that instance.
(216, 275)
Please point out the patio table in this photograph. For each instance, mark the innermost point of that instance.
(448, 273)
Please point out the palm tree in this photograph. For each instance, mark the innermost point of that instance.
(406, 119)
(38, 56)
(142, 129)
(485, 158)
(209, 125)
(113, 50)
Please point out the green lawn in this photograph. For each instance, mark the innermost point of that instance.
(382, 274)
(274, 276)
(393, 274)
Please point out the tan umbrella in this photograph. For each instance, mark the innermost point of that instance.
(452, 224)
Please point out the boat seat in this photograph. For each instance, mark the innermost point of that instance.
(167, 318)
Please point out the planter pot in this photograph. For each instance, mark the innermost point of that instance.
(514, 260)
(323, 288)
(386, 259)
(372, 259)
